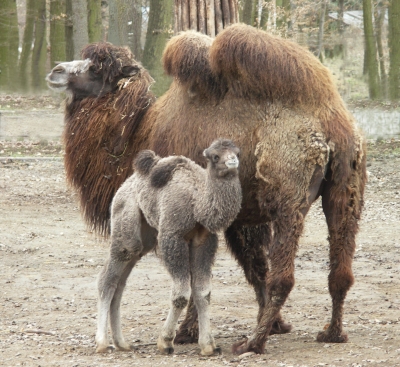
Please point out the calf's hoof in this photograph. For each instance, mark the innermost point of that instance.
(245, 345)
(165, 345)
(124, 347)
(105, 349)
(332, 336)
(210, 350)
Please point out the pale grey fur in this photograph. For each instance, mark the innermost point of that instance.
(183, 214)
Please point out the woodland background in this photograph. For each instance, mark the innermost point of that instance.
(359, 40)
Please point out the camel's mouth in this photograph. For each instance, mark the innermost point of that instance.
(58, 87)
(232, 163)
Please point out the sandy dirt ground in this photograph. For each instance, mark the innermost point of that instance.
(49, 263)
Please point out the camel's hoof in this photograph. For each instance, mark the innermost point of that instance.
(184, 337)
(328, 336)
(280, 327)
(105, 349)
(168, 350)
(244, 346)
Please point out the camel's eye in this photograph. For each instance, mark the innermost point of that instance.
(215, 158)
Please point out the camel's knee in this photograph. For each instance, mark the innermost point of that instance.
(180, 302)
(279, 287)
(340, 280)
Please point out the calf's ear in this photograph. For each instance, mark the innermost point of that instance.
(130, 70)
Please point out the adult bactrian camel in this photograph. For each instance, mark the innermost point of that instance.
(270, 96)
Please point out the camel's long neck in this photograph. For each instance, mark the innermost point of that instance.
(222, 198)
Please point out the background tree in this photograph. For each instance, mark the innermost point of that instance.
(394, 49)
(159, 29)
(39, 51)
(69, 32)
(80, 26)
(8, 44)
(94, 20)
(58, 17)
(370, 52)
(27, 41)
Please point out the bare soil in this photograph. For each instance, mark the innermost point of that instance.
(49, 264)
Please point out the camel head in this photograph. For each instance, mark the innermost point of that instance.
(101, 68)
(222, 158)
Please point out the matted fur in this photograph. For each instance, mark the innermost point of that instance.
(99, 139)
(108, 60)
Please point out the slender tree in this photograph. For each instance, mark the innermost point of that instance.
(69, 32)
(394, 50)
(27, 41)
(8, 44)
(159, 29)
(39, 52)
(58, 17)
(94, 20)
(80, 26)
(379, 19)
(370, 52)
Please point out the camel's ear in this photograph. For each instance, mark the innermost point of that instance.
(205, 153)
(130, 70)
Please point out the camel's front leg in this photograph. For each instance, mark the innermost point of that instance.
(175, 255)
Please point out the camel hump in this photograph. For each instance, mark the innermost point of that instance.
(255, 64)
(163, 172)
(145, 161)
(186, 58)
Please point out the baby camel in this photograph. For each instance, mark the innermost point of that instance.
(181, 205)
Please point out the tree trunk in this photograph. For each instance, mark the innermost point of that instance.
(94, 20)
(159, 30)
(264, 14)
(370, 52)
(69, 32)
(287, 16)
(26, 45)
(247, 12)
(379, 19)
(39, 52)
(80, 26)
(321, 30)
(134, 40)
(58, 10)
(394, 50)
(9, 41)
(113, 33)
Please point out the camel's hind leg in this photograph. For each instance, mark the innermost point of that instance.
(250, 247)
(342, 212)
(201, 260)
(149, 240)
(175, 255)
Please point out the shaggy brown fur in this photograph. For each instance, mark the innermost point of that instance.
(298, 142)
(101, 136)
